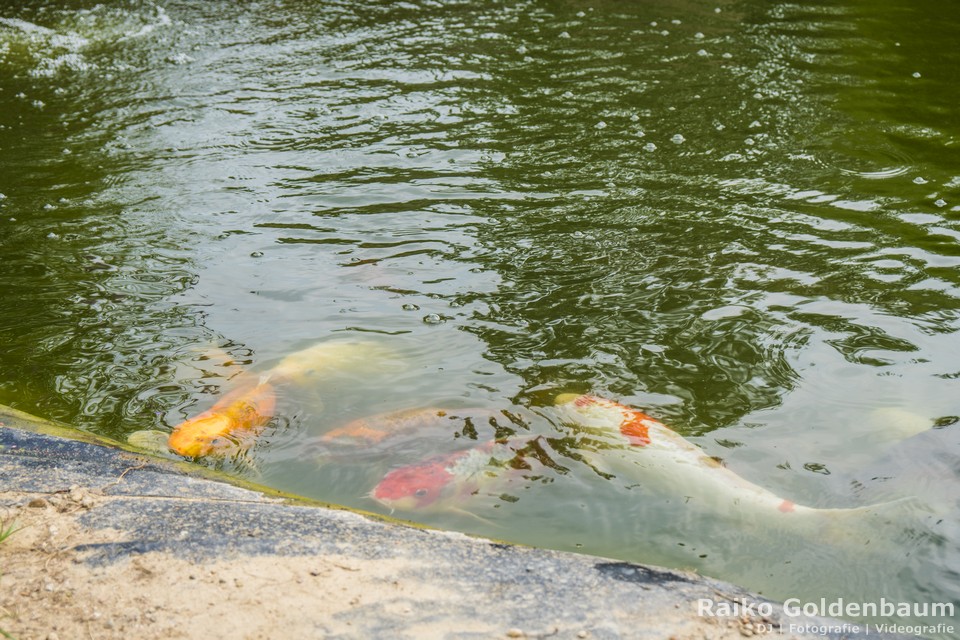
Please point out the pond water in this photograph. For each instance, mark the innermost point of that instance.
(741, 217)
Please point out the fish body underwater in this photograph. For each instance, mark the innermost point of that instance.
(641, 448)
(377, 428)
(243, 412)
(617, 441)
(446, 481)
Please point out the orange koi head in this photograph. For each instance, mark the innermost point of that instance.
(197, 437)
(239, 413)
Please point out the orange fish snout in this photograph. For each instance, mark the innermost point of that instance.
(197, 437)
(238, 414)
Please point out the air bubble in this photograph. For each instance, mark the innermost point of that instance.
(600, 125)
(563, 34)
(256, 254)
(649, 147)
(410, 307)
(919, 180)
(677, 139)
(432, 318)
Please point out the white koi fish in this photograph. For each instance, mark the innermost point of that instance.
(645, 450)
(622, 442)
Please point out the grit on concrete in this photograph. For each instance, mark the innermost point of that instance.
(117, 544)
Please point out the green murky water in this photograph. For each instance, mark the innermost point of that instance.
(742, 217)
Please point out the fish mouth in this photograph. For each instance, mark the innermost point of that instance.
(196, 437)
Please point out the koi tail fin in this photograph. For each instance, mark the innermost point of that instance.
(882, 523)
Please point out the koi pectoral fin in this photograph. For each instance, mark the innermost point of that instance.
(463, 512)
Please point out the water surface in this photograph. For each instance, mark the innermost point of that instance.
(742, 217)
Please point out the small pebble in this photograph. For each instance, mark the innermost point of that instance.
(37, 503)
(515, 633)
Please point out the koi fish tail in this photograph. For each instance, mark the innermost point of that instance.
(870, 527)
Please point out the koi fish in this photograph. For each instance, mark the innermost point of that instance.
(376, 428)
(445, 481)
(242, 412)
(307, 366)
(246, 410)
(655, 453)
(624, 442)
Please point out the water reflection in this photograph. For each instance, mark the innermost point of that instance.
(740, 217)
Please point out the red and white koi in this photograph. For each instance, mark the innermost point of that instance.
(445, 481)
(649, 452)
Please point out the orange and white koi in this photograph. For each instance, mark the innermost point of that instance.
(648, 451)
(245, 411)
